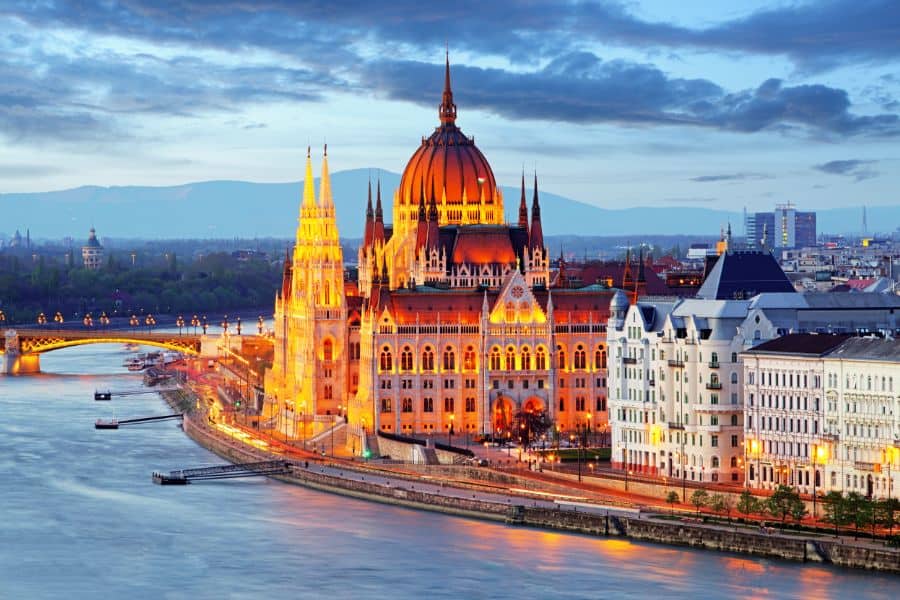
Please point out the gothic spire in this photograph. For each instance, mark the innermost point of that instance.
(378, 232)
(325, 200)
(370, 220)
(447, 110)
(309, 189)
(523, 206)
(536, 236)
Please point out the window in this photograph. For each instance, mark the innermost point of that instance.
(449, 384)
(601, 403)
(428, 405)
(715, 358)
(734, 378)
(562, 404)
(540, 359)
(579, 403)
(385, 405)
(580, 362)
(734, 441)
(560, 357)
(449, 359)
(715, 462)
(428, 359)
(407, 405)
(386, 363)
(406, 359)
(327, 392)
(495, 358)
(600, 358)
(715, 441)
(734, 419)
(470, 405)
(328, 351)
(448, 405)
(469, 359)
(734, 357)
(510, 359)
(526, 358)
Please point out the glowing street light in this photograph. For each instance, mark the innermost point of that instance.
(259, 324)
(134, 322)
(194, 323)
(104, 319)
(58, 318)
(180, 323)
(150, 321)
(41, 319)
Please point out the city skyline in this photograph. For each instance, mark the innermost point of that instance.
(708, 106)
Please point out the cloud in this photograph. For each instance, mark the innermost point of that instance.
(579, 87)
(13, 171)
(730, 177)
(689, 200)
(858, 169)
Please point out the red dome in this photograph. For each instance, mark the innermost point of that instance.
(448, 163)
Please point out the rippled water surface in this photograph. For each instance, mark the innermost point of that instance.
(79, 517)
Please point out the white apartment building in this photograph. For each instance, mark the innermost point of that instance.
(822, 414)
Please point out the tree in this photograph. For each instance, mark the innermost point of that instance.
(747, 504)
(885, 513)
(717, 503)
(699, 499)
(859, 509)
(672, 498)
(783, 502)
(836, 510)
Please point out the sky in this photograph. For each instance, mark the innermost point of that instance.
(615, 103)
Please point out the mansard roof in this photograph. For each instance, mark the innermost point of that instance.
(594, 271)
(740, 275)
(807, 344)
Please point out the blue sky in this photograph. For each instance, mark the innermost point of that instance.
(618, 103)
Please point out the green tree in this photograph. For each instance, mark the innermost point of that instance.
(836, 510)
(782, 502)
(886, 513)
(699, 499)
(672, 498)
(717, 503)
(859, 510)
(747, 503)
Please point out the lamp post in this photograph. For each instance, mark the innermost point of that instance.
(58, 318)
(450, 431)
(2, 319)
(239, 325)
(225, 326)
(104, 320)
(88, 320)
(150, 321)
(180, 322)
(134, 322)
(259, 324)
(205, 325)
(194, 323)
(42, 319)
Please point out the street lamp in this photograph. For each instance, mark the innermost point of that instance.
(59, 319)
(150, 321)
(2, 319)
(88, 320)
(134, 322)
(41, 319)
(104, 320)
(239, 326)
(194, 323)
(259, 324)
(180, 322)
(205, 325)
(225, 325)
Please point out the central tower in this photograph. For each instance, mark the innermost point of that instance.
(449, 170)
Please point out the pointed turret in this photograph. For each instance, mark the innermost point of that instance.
(286, 274)
(433, 230)
(378, 234)
(562, 279)
(325, 200)
(523, 207)
(422, 226)
(536, 235)
(627, 277)
(309, 186)
(370, 221)
(447, 110)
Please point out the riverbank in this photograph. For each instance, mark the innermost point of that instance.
(521, 508)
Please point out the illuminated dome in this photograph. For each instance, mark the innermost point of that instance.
(449, 166)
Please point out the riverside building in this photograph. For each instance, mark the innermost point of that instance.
(456, 324)
(822, 414)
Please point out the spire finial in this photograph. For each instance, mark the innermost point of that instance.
(447, 110)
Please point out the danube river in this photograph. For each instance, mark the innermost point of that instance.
(81, 518)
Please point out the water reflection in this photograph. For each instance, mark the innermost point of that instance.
(81, 519)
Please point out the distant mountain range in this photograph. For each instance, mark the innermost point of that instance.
(226, 209)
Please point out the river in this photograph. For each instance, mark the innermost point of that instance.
(81, 518)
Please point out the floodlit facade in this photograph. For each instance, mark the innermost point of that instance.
(92, 252)
(454, 323)
(823, 414)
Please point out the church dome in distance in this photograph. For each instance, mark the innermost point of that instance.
(450, 167)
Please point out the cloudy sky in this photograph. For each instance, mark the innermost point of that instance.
(617, 103)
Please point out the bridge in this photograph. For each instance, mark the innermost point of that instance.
(20, 349)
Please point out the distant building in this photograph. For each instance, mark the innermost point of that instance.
(92, 252)
(785, 227)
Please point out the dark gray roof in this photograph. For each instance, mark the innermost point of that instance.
(868, 348)
(740, 275)
(827, 301)
(811, 344)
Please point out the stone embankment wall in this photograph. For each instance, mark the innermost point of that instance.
(404, 451)
(644, 529)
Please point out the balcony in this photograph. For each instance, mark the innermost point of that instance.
(713, 364)
(677, 426)
(714, 385)
(652, 383)
(676, 363)
(864, 466)
(629, 361)
(830, 437)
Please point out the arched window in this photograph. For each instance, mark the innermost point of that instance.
(526, 358)
(328, 351)
(733, 462)
(715, 462)
(469, 359)
(560, 357)
(428, 359)
(495, 358)
(510, 312)
(734, 378)
(540, 359)
(714, 379)
(524, 312)
(406, 359)
(600, 358)
(510, 359)
(449, 359)
(387, 363)
(580, 359)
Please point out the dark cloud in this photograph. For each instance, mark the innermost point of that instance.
(815, 34)
(859, 170)
(729, 177)
(581, 88)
